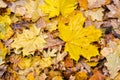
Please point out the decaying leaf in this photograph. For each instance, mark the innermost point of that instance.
(30, 40)
(112, 57)
(57, 7)
(95, 14)
(80, 42)
(50, 53)
(27, 8)
(2, 4)
(97, 75)
(96, 3)
(60, 56)
(114, 11)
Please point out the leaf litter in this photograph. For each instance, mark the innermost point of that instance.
(59, 40)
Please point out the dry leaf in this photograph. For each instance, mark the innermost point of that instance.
(97, 75)
(68, 62)
(2, 4)
(29, 40)
(83, 4)
(95, 14)
(112, 57)
(81, 75)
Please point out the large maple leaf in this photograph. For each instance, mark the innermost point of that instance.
(78, 39)
(29, 40)
(56, 7)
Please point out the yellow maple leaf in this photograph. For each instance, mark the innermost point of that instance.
(57, 7)
(5, 29)
(78, 39)
(30, 40)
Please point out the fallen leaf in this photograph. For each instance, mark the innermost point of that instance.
(45, 62)
(3, 52)
(112, 57)
(83, 4)
(79, 43)
(5, 30)
(57, 7)
(117, 77)
(92, 64)
(95, 14)
(113, 64)
(96, 3)
(32, 9)
(2, 4)
(57, 78)
(30, 40)
(60, 56)
(52, 74)
(81, 75)
(50, 53)
(97, 75)
(30, 76)
(114, 11)
(68, 62)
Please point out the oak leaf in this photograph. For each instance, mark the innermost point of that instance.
(78, 39)
(57, 7)
(30, 40)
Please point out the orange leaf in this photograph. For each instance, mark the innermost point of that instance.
(97, 75)
(83, 4)
(108, 1)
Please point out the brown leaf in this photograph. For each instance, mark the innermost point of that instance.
(68, 62)
(97, 75)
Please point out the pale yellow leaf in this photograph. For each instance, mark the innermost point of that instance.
(29, 40)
